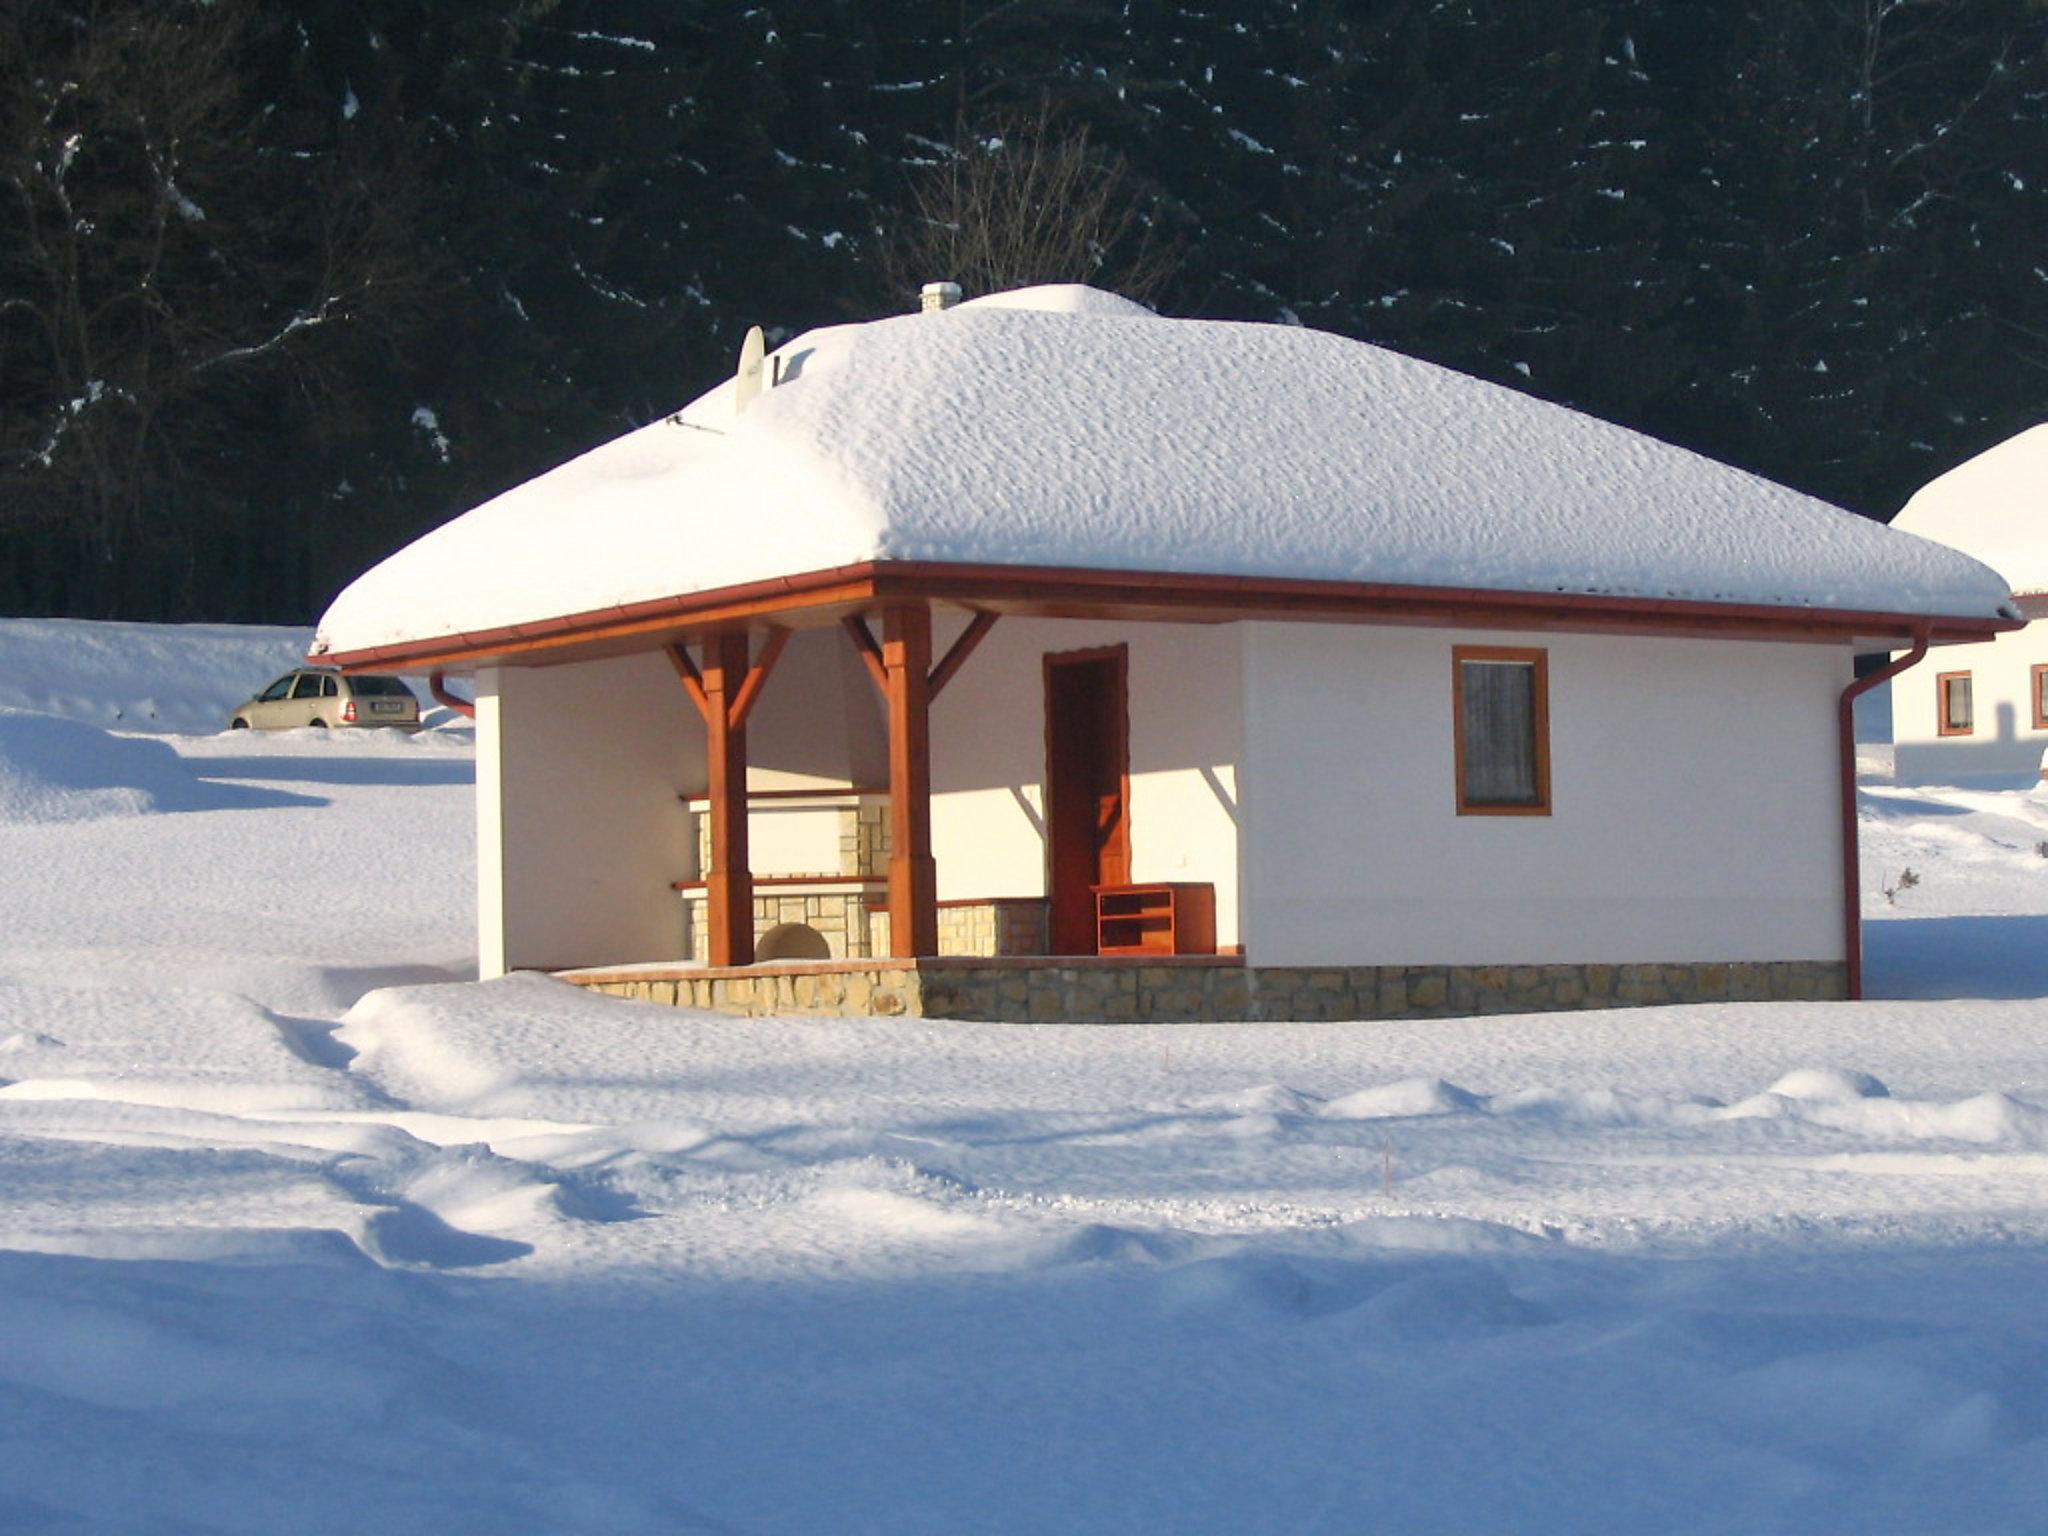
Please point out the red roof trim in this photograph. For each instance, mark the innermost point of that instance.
(1165, 592)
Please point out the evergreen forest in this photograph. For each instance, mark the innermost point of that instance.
(283, 285)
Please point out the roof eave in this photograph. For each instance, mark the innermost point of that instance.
(1164, 596)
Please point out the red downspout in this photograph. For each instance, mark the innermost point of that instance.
(1852, 874)
(437, 686)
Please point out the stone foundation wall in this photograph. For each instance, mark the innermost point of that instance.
(1203, 989)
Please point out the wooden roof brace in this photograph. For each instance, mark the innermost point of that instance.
(749, 691)
(949, 664)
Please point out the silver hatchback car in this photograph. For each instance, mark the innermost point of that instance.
(322, 696)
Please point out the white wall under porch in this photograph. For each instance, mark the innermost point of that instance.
(988, 743)
(1694, 787)
(579, 829)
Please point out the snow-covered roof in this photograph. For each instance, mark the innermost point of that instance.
(1067, 427)
(1994, 507)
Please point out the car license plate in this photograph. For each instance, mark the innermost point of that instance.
(385, 706)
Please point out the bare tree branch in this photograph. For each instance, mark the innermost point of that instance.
(1025, 200)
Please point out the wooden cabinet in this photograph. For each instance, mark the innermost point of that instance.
(1171, 918)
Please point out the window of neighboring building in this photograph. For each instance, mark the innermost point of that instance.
(2040, 692)
(1952, 696)
(1500, 708)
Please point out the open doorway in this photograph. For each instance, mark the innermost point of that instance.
(1087, 788)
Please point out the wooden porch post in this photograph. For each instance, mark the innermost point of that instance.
(729, 882)
(913, 878)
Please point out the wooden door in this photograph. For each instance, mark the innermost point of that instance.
(1087, 788)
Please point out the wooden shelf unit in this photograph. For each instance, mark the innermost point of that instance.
(1165, 918)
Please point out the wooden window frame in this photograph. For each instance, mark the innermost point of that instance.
(1538, 660)
(1941, 725)
(2034, 676)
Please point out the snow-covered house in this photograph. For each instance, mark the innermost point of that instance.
(1045, 658)
(1984, 709)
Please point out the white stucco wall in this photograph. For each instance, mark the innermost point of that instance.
(579, 830)
(988, 757)
(1694, 789)
(2004, 744)
(818, 723)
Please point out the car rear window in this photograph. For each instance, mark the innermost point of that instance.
(379, 687)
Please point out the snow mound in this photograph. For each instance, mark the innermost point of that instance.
(1829, 1085)
(1403, 1100)
(1986, 1119)
(399, 1039)
(1265, 1099)
(1106, 1243)
(1437, 1234)
(54, 770)
(1446, 1302)
(1064, 299)
(1078, 431)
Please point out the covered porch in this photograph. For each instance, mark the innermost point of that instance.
(867, 776)
(1007, 834)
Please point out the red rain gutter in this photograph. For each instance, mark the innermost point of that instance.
(438, 687)
(1071, 591)
(1852, 873)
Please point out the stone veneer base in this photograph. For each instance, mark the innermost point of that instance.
(1199, 988)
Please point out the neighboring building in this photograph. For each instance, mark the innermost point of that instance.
(1982, 710)
(1295, 677)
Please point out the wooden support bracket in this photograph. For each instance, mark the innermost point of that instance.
(740, 703)
(942, 674)
(958, 652)
(693, 680)
(870, 653)
(757, 676)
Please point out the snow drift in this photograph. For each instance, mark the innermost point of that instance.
(140, 677)
(54, 770)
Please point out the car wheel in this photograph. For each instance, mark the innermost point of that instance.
(238, 724)
(318, 725)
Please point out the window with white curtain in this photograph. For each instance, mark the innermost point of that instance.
(1958, 714)
(1501, 700)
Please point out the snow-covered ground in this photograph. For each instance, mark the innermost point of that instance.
(302, 1232)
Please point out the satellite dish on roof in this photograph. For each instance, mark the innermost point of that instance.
(747, 382)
